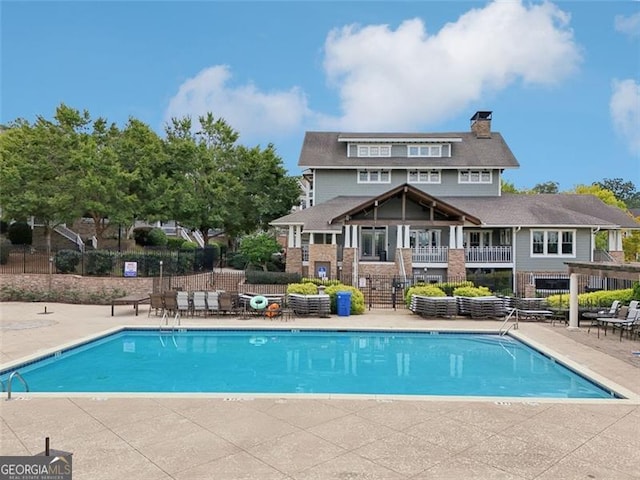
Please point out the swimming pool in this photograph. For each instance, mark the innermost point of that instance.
(306, 361)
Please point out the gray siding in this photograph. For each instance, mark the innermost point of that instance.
(525, 263)
(333, 183)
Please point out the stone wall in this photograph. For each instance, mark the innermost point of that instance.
(77, 283)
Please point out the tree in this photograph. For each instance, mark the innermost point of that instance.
(623, 190)
(39, 175)
(546, 187)
(259, 248)
(508, 187)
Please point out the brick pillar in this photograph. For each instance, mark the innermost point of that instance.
(457, 269)
(406, 259)
(323, 253)
(294, 260)
(348, 259)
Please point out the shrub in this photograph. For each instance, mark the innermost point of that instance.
(20, 233)
(635, 295)
(424, 290)
(602, 298)
(321, 281)
(236, 260)
(175, 243)
(357, 298)
(156, 238)
(66, 261)
(141, 235)
(449, 287)
(303, 288)
(472, 292)
(189, 245)
(99, 263)
(276, 278)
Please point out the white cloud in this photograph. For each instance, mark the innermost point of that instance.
(403, 78)
(399, 78)
(624, 107)
(245, 108)
(628, 25)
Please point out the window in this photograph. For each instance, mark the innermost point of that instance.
(428, 150)
(474, 176)
(374, 150)
(373, 243)
(374, 176)
(553, 243)
(423, 176)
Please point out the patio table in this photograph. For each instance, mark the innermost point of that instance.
(134, 300)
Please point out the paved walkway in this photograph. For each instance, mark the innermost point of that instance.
(200, 437)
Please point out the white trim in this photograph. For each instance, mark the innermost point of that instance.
(378, 154)
(545, 245)
(380, 171)
(399, 139)
(429, 171)
(472, 171)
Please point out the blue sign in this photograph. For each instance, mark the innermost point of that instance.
(322, 272)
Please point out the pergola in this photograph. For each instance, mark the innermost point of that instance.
(626, 271)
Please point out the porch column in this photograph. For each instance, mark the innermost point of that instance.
(298, 236)
(291, 237)
(460, 237)
(573, 302)
(452, 236)
(407, 236)
(347, 236)
(334, 238)
(312, 240)
(354, 236)
(399, 236)
(615, 240)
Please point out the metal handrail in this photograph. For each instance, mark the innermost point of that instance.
(10, 381)
(513, 313)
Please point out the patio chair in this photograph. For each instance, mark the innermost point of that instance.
(622, 323)
(182, 299)
(200, 303)
(170, 301)
(225, 302)
(156, 302)
(630, 324)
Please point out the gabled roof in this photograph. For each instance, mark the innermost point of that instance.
(325, 150)
(413, 194)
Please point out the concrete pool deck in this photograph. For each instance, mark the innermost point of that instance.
(288, 437)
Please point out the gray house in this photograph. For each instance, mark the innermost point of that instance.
(429, 206)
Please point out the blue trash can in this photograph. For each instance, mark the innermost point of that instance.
(343, 304)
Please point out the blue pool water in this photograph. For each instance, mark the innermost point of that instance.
(291, 361)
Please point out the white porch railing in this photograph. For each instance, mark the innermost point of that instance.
(198, 238)
(430, 254)
(70, 235)
(500, 254)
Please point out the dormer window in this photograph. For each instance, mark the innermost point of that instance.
(374, 150)
(429, 150)
(423, 176)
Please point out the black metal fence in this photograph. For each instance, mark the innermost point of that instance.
(147, 262)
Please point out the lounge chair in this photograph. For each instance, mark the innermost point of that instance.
(156, 302)
(200, 303)
(182, 299)
(212, 302)
(225, 302)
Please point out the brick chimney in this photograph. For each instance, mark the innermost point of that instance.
(481, 124)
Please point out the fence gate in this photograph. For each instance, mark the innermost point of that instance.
(382, 291)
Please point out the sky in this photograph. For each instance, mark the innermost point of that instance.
(561, 78)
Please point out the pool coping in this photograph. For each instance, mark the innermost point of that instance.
(629, 397)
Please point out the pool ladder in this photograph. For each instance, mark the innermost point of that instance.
(17, 375)
(172, 329)
(513, 313)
